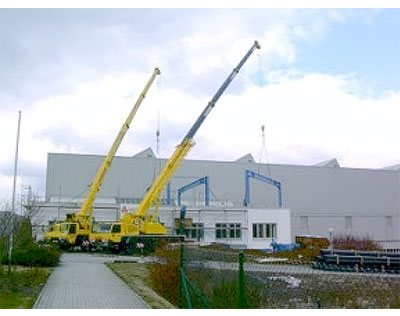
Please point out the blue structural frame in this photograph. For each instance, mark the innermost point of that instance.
(169, 193)
(203, 180)
(251, 174)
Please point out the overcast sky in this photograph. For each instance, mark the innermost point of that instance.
(326, 84)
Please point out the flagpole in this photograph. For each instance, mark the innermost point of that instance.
(10, 249)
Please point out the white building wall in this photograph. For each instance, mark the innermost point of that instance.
(281, 217)
(207, 216)
(245, 217)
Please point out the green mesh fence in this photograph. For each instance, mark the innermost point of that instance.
(211, 277)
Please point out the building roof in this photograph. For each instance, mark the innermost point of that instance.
(395, 167)
(332, 163)
(147, 153)
(246, 158)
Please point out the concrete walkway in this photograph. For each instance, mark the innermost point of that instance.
(84, 281)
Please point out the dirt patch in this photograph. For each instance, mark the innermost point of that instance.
(136, 276)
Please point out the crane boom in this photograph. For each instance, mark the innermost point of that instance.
(165, 175)
(87, 206)
(153, 195)
(77, 227)
(221, 90)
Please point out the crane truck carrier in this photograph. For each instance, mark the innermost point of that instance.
(76, 228)
(142, 230)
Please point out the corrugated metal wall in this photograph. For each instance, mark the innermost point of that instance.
(321, 197)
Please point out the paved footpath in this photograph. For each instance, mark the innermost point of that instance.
(84, 281)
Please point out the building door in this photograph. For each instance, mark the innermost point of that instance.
(389, 227)
(303, 225)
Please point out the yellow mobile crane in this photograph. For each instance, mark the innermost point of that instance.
(75, 230)
(141, 229)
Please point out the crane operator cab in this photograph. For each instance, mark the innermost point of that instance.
(116, 228)
(61, 233)
(105, 235)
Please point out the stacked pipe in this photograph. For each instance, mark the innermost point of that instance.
(357, 261)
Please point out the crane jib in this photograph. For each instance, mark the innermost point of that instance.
(221, 90)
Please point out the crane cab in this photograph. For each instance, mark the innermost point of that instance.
(61, 233)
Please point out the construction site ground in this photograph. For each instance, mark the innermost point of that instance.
(84, 280)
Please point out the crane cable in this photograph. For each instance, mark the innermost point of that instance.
(263, 146)
(264, 151)
(158, 118)
(157, 166)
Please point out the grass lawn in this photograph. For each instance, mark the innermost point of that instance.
(15, 301)
(21, 288)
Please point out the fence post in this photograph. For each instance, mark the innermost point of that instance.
(242, 283)
(181, 264)
(184, 295)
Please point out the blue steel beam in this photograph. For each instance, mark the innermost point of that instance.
(169, 193)
(194, 184)
(251, 174)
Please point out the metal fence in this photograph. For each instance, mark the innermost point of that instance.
(212, 277)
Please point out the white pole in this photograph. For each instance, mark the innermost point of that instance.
(16, 164)
(13, 196)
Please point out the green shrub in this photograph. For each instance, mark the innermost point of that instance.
(3, 249)
(26, 252)
(34, 255)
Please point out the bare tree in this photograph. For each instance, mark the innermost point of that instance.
(17, 225)
(5, 218)
(7, 229)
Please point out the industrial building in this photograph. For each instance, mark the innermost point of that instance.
(241, 203)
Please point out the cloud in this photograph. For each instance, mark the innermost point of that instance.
(308, 118)
(309, 112)
(51, 51)
(6, 182)
(76, 73)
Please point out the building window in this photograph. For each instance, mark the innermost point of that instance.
(264, 230)
(196, 231)
(220, 231)
(229, 230)
(234, 231)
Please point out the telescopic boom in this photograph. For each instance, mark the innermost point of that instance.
(153, 195)
(87, 206)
